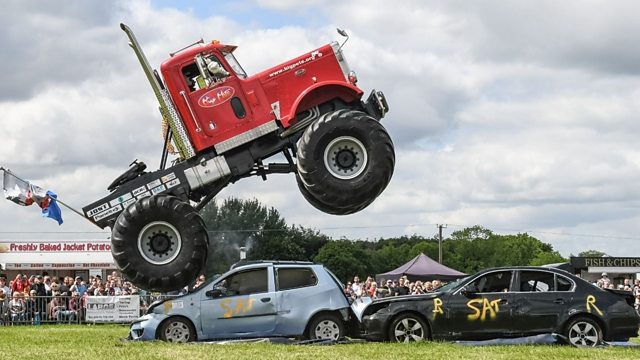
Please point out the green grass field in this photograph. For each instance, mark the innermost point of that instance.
(105, 342)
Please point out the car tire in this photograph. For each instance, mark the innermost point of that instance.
(326, 327)
(159, 243)
(407, 328)
(177, 330)
(583, 332)
(345, 158)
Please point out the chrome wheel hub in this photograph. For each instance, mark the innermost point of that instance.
(159, 242)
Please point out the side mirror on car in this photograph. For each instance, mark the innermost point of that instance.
(213, 293)
(469, 290)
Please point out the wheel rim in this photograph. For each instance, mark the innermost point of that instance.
(159, 242)
(327, 329)
(177, 331)
(408, 330)
(583, 333)
(345, 157)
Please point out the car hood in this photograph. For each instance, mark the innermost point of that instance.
(420, 297)
(157, 303)
(361, 309)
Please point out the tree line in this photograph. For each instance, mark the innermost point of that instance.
(237, 223)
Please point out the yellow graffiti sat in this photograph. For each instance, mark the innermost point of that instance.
(482, 307)
(233, 307)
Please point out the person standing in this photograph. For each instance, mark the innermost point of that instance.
(40, 299)
(402, 288)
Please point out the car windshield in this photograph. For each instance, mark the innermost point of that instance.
(451, 286)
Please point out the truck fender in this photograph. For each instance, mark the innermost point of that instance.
(320, 93)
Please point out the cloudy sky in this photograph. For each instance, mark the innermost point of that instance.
(520, 116)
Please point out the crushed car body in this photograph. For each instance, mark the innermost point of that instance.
(506, 302)
(254, 300)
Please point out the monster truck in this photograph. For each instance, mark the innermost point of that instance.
(223, 124)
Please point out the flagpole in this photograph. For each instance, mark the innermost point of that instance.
(56, 199)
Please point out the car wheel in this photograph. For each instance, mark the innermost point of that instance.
(408, 328)
(159, 243)
(345, 159)
(177, 330)
(326, 327)
(583, 331)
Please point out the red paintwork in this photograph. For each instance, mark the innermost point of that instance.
(298, 84)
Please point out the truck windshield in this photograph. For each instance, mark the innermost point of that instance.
(235, 65)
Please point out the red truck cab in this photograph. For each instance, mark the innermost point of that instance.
(217, 110)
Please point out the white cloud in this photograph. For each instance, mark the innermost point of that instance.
(514, 116)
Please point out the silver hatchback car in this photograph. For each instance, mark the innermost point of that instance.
(255, 299)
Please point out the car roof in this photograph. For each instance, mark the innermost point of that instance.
(243, 263)
(543, 268)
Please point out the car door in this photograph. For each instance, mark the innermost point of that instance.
(482, 308)
(243, 304)
(541, 297)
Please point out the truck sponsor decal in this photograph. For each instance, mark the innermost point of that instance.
(143, 195)
(233, 307)
(153, 184)
(139, 191)
(127, 203)
(97, 209)
(312, 56)
(107, 213)
(168, 177)
(173, 183)
(216, 97)
(490, 307)
(157, 190)
(120, 199)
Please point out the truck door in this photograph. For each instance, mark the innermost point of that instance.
(218, 101)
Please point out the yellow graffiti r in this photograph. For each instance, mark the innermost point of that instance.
(591, 301)
(437, 307)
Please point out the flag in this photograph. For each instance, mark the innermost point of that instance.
(24, 193)
(52, 210)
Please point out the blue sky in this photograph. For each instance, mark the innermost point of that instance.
(249, 13)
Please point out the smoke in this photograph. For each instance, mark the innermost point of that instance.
(224, 249)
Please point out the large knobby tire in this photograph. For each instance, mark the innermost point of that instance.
(177, 330)
(329, 209)
(583, 331)
(160, 243)
(345, 160)
(326, 327)
(408, 328)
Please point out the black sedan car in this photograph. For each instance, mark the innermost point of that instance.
(503, 303)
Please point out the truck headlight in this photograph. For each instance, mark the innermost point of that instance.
(353, 78)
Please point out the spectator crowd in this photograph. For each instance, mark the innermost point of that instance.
(386, 288)
(39, 298)
(627, 285)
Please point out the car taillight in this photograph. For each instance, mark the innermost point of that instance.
(353, 78)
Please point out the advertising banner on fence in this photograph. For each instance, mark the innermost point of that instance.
(113, 308)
